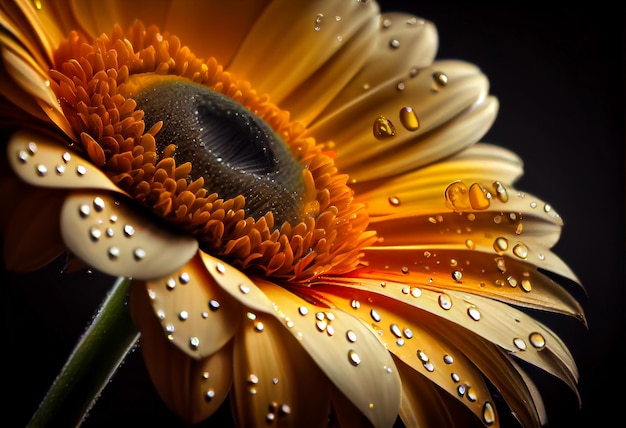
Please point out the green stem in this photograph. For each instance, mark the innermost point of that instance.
(91, 365)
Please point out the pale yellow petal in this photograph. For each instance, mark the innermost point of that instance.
(404, 44)
(291, 41)
(415, 112)
(43, 161)
(108, 233)
(404, 332)
(192, 388)
(509, 328)
(195, 313)
(275, 381)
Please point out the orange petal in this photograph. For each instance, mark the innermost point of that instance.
(195, 313)
(192, 388)
(275, 381)
(30, 229)
(111, 235)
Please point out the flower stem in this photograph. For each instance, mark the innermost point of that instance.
(93, 362)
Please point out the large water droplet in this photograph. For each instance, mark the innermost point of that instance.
(500, 245)
(501, 192)
(520, 250)
(409, 119)
(479, 197)
(444, 301)
(383, 128)
(354, 358)
(537, 340)
(440, 78)
(489, 414)
(457, 197)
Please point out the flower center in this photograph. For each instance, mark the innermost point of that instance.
(235, 151)
(205, 152)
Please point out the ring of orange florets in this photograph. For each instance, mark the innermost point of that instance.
(90, 81)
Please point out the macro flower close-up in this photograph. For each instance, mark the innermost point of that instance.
(306, 225)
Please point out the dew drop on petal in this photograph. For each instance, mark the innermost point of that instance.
(351, 336)
(303, 310)
(440, 78)
(519, 344)
(457, 197)
(520, 250)
(114, 252)
(139, 254)
(409, 119)
(526, 285)
(395, 330)
(354, 358)
(479, 197)
(470, 394)
(455, 377)
(500, 244)
(489, 415)
(537, 340)
(470, 244)
(394, 201)
(448, 359)
(375, 315)
(41, 170)
(383, 128)
(500, 191)
(444, 301)
(244, 288)
(473, 313)
(184, 278)
(183, 315)
(394, 43)
(457, 276)
(194, 343)
(209, 394)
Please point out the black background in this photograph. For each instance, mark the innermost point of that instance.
(559, 77)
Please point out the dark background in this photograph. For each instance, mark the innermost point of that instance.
(559, 76)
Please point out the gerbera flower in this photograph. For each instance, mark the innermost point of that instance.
(300, 200)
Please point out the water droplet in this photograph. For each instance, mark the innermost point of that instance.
(460, 390)
(501, 265)
(32, 148)
(214, 305)
(518, 229)
(114, 252)
(533, 205)
(95, 233)
(66, 157)
(375, 315)
(394, 201)
(129, 230)
(404, 270)
(383, 128)
(520, 250)
(209, 394)
(81, 170)
(354, 358)
(457, 276)
(445, 302)
(473, 313)
(22, 156)
(355, 304)
(41, 170)
(537, 340)
(422, 356)
(244, 288)
(526, 285)
(170, 284)
(500, 245)
(470, 244)
(303, 310)
(408, 333)
(457, 197)
(448, 359)
(455, 377)
(489, 415)
(60, 169)
(395, 330)
(547, 208)
(440, 78)
(519, 344)
(416, 292)
(479, 197)
(409, 119)
(429, 366)
(220, 268)
(258, 326)
(139, 254)
(194, 343)
(470, 394)
(501, 192)
(394, 43)
(183, 315)
(401, 86)
(351, 336)
(184, 278)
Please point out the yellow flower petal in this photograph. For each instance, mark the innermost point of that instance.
(284, 49)
(42, 161)
(414, 112)
(192, 388)
(117, 239)
(275, 381)
(501, 324)
(415, 341)
(404, 44)
(195, 313)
